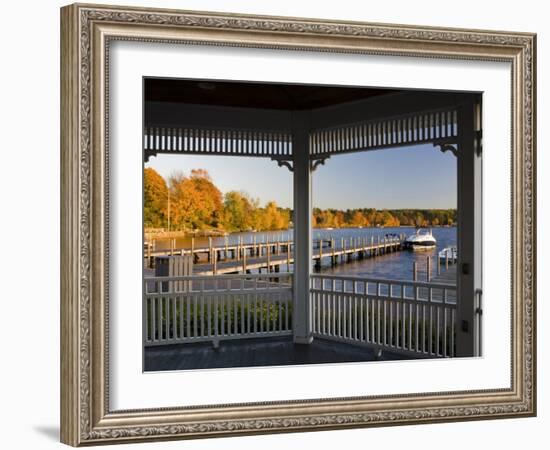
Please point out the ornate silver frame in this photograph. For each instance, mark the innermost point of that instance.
(86, 31)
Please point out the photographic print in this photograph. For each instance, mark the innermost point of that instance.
(277, 224)
(303, 224)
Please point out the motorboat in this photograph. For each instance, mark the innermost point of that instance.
(421, 240)
(449, 254)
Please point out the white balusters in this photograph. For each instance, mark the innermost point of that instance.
(375, 315)
(214, 308)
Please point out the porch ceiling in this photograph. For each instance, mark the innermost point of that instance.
(261, 119)
(290, 97)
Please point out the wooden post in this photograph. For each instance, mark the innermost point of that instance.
(438, 263)
(193, 247)
(214, 263)
(209, 249)
(268, 259)
(254, 246)
(238, 250)
(148, 254)
(288, 256)
(226, 253)
(302, 323)
(469, 240)
(415, 271)
(447, 259)
(244, 261)
(333, 246)
(320, 252)
(428, 268)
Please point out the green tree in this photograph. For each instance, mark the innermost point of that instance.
(240, 212)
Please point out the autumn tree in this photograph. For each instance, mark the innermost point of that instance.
(357, 219)
(195, 201)
(273, 218)
(155, 199)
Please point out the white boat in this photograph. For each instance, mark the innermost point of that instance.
(421, 240)
(450, 253)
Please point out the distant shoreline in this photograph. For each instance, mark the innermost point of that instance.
(183, 234)
(176, 234)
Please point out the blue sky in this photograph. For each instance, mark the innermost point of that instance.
(407, 177)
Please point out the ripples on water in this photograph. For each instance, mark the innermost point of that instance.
(397, 266)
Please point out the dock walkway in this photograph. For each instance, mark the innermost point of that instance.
(243, 258)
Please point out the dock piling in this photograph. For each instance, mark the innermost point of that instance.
(214, 263)
(288, 256)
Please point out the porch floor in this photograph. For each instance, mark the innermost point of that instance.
(273, 351)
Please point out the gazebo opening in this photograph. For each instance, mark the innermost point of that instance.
(338, 271)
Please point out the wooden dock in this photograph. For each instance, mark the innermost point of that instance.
(446, 276)
(270, 256)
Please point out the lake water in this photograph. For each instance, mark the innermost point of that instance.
(396, 265)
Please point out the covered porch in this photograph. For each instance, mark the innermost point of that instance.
(300, 317)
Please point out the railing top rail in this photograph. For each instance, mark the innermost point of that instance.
(248, 276)
(384, 281)
(281, 292)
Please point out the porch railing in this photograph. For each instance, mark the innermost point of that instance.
(188, 309)
(414, 318)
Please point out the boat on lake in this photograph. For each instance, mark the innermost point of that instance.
(421, 240)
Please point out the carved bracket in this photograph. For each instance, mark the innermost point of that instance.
(446, 147)
(147, 154)
(284, 162)
(314, 163)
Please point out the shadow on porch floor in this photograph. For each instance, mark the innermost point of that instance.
(275, 351)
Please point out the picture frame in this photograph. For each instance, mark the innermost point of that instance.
(87, 31)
